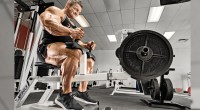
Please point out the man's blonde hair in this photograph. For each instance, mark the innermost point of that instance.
(72, 2)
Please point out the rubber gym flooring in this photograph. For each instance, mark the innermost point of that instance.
(116, 102)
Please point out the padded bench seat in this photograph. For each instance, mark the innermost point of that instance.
(46, 65)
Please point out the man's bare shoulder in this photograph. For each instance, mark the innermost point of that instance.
(53, 9)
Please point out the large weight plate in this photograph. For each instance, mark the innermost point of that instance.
(117, 52)
(146, 54)
(167, 90)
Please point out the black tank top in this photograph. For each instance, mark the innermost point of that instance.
(49, 38)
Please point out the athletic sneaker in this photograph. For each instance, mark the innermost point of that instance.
(84, 97)
(67, 102)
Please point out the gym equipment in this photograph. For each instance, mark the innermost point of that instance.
(108, 108)
(145, 54)
(168, 2)
(162, 95)
(19, 59)
(166, 89)
(128, 85)
(145, 86)
(154, 89)
(117, 52)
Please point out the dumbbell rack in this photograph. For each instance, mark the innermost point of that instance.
(161, 103)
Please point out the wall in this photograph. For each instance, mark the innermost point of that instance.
(106, 59)
(182, 65)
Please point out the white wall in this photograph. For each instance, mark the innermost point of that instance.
(182, 65)
(106, 59)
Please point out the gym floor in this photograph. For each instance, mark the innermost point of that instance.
(116, 102)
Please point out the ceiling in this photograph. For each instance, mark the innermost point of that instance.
(110, 16)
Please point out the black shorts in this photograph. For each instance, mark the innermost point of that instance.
(42, 52)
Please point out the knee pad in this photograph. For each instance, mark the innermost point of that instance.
(90, 55)
(74, 45)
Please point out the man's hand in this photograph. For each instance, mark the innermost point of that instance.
(77, 33)
(91, 45)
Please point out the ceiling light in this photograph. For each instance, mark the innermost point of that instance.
(82, 21)
(112, 38)
(168, 35)
(155, 13)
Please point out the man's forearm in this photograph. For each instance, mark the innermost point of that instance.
(84, 45)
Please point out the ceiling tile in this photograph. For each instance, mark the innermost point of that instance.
(127, 16)
(128, 26)
(99, 31)
(90, 32)
(141, 15)
(142, 3)
(155, 3)
(169, 12)
(103, 18)
(112, 5)
(108, 30)
(87, 8)
(92, 19)
(151, 26)
(115, 17)
(127, 4)
(97, 5)
(139, 27)
(117, 28)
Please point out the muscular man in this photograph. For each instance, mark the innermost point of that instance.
(53, 49)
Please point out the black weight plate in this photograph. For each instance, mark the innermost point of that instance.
(167, 90)
(145, 86)
(154, 89)
(117, 52)
(146, 54)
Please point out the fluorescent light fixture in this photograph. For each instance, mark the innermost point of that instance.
(82, 21)
(112, 38)
(168, 35)
(155, 13)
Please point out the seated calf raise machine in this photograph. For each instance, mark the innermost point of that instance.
(27, 84)
(144, 55)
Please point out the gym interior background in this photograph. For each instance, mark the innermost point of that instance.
(111, 17)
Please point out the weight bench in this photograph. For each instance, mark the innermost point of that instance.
(54, 71)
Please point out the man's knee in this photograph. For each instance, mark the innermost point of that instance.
(77, 53)
(72, 61)
(90, 62)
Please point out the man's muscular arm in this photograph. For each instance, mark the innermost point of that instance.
(52, 23)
